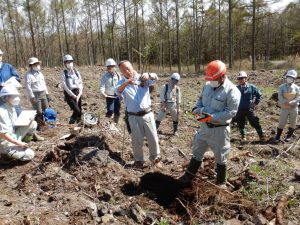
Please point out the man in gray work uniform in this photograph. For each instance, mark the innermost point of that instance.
(217, 105)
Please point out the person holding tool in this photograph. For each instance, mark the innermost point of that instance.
(73, 86)
(108, 84)
(170, 97)
(217, 105)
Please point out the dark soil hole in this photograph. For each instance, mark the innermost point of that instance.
(164, 187)
(131, 189)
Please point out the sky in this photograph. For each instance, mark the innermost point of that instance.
(281, 5)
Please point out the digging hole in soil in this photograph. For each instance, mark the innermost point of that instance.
(165, 187)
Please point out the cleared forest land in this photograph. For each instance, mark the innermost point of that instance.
(83, 179)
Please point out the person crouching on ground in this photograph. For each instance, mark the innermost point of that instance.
(108, 84)
(288, 98)
(170, 97)
(73, 86)
(217, 105)
(135, 90)
(250, 98)
(11, 144)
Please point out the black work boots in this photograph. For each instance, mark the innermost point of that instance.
(289, 134)
(190, 172)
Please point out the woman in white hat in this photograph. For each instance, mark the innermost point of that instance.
(288, 99)
(11, 144)
(36, 88)
(170, 97)
(73, 86)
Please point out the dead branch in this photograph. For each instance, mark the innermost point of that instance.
(282, 204)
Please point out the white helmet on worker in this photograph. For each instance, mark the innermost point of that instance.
(291, 73)
(9, 90)
(175, 76)
(33, 60)
(68, 58)
(242, 74)
(110, 62)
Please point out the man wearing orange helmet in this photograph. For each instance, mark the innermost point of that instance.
(217, 105)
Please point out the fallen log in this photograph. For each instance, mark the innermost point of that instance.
(282, 204)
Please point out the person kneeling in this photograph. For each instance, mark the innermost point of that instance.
(11, 144)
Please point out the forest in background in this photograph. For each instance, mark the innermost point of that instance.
(165, 33)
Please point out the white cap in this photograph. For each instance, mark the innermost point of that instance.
(175, 76)
(242, 74)
(68, 58)
(33, 60)
(291, 73)
(8, 90)
(110, 62)
(1, 53)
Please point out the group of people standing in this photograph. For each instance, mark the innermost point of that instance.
(218, 103)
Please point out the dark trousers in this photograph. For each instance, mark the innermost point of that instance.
(113, 106)
(74, 105)
(241, 116)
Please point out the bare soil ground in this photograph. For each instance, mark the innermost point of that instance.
(83, 179)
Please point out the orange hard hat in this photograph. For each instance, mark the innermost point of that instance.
(215, 69)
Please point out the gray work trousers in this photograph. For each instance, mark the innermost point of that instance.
(171, 107)
(142, 126)
(13, 151)
(217, 139)
(40, 102)
(288, 114)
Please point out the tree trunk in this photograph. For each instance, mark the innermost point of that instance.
(64, 24)
(126, 31)
(178, 37)
(101, 30)
(253, 35)
(91, 34)
(28, 9)
(230, 35)
(9, 7)
(58, 31)
(5, 37)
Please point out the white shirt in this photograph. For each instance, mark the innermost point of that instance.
(8, 115)
(72, 81)
(35, 82)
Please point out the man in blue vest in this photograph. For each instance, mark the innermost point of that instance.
(250, 98)
(6, 71)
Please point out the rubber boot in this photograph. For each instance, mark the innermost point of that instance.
(37, 137)
(278, 134)
(260, 134)
(242, 132)
(175, 128)
(221, 174)
(190, 172)
(289, 134)
(116, 119)
(72, 120)
(157, 123)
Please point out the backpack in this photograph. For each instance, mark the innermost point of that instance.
(50, 117)
(166, 91)
(67, 76)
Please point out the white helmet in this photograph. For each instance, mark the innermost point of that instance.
(175, 76)
(291, 73)
(8, 90)
(33, 60)
(110, 62)
(1, 53)
(242, 74)
(90, 119)
(68, 58)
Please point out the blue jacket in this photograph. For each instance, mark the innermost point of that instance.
(7, 71)
(249, 94)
